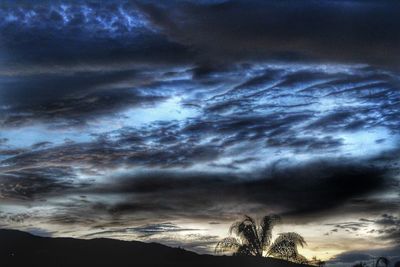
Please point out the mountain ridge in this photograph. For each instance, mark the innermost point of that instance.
(19, 248)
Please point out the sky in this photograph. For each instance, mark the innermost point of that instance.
(165, 121)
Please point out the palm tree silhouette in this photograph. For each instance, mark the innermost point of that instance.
(285, 247)
(382, 260)
(255, 240)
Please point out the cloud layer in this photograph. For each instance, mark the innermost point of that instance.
(141, 115)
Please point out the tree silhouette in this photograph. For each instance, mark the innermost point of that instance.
(382, 260)
(285, 246)
(255, 240)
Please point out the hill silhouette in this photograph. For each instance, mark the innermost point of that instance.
(23, 249)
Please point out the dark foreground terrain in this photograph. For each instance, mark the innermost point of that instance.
(22, 249)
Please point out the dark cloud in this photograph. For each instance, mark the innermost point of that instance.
(66, 61)
(349, 226)
(388, 227)
(14, 218)
(111, 154)
(26, 184)
(41, 145)
(338, 30)
(78, 34)
(69, 99)
(143, 31)
(325, 143)
(90, 40)
(153, 229)
(295, 191)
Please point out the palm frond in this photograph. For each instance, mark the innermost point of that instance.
(227, 244)
(283, 249)
(246, 230)
(285, 246)
(265, 230)
(294, 238)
